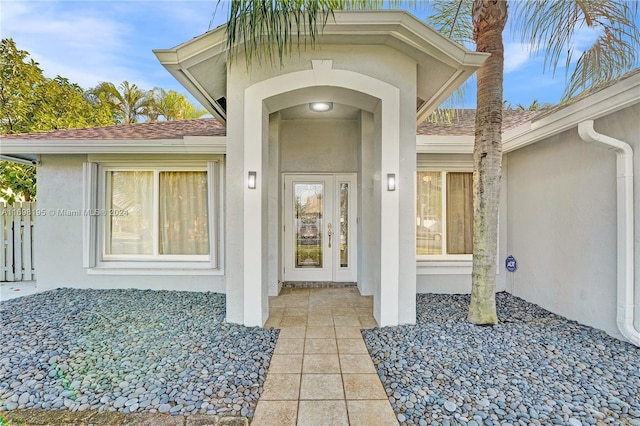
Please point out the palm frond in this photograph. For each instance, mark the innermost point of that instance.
(618, 55)
(268, 30)
(550, 26)
(452, 18)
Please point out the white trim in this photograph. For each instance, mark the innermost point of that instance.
(440, 144)
(151, 262)
(214, 185)
(455, 167)
(441, 267)
(98, 262)
(399, 30)
(18, 160)
(104, 270)
(255, 109)
(155, 160)
(187, 145)
(89, 222)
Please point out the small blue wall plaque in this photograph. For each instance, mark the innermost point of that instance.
(511, 264)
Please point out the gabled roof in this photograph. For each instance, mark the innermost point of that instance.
(200, 64)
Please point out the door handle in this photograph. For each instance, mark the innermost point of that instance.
(329, 234)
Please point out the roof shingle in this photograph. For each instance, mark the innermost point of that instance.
(136, 131)
(461, 124)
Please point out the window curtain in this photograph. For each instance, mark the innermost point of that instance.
(459, 213)
(183, 217)
(131, 198)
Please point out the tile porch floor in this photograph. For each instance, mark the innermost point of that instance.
(321, 372)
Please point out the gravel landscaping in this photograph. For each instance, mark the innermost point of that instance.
(130, 351)
(533, 368)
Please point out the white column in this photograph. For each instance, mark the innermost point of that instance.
(253, 211)
(390, 213)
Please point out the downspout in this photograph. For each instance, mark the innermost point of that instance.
(624, 171)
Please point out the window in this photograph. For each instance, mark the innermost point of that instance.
(156, 213)
(152, 216)
(444, 215)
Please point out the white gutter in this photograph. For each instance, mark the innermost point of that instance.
(184, 145)
(624, 169)
(18, 160)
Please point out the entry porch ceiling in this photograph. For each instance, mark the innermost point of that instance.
(201, 63)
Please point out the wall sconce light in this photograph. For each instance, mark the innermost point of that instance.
(251, 182)
(391, 181)
(321, 106)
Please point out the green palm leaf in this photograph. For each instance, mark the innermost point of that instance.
(550, 27)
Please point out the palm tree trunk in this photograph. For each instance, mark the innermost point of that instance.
(489, 19)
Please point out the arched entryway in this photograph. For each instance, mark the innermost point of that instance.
(380, 105)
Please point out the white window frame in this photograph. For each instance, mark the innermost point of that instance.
(428, 264)
(95, 258)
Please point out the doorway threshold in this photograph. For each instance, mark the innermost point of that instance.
(318, 284)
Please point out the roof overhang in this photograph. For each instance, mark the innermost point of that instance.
(28, 159)
(200, 65)
(28, 149)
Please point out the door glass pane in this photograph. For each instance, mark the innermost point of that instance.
(131, 193)
(429, 213)
(308, 217)
(183, 213)
(344, 225)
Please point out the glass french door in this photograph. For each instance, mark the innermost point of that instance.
(320, 241)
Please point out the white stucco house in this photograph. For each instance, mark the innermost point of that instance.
(323, 172)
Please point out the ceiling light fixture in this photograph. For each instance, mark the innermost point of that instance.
(321, 106)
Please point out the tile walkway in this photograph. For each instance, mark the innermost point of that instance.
(321, 372)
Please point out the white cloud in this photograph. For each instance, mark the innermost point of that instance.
(77, 43)
(585, 36)
(516, 55)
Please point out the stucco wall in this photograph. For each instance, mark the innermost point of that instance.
(58, 238)
(562, 222)
(369, 224)
(379, 62)
(445, 283)
(321, 145)
(274, 209)
(625, 126)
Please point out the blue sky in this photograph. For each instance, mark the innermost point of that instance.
(92, 41)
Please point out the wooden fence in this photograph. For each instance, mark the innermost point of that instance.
(16, 234)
